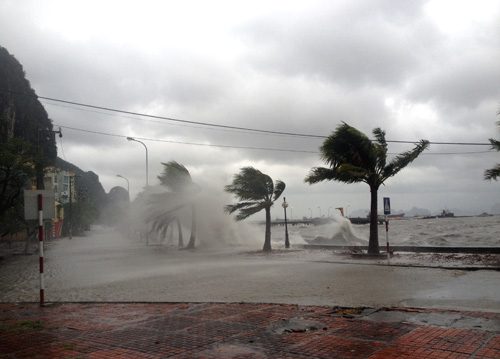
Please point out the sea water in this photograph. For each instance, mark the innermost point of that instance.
(455, 231)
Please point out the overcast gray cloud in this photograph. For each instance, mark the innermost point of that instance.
(419, 69)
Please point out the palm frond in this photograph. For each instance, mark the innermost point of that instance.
(344, 173)
(248, 211)
(319, 174)
(175, 176)
(255, 190)
(349, 173)
(380, 149)
(379, 136)
(347, 144)
(495, 144)
(231, 208)
(402, 160)
(163, 208)
(251, 184)
(279, 187)
(492, 173)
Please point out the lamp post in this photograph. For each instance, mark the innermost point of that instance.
(133, 139)
(70, 207)
(287, 241)
(128, 185)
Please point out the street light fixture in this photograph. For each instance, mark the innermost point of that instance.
(147, 176)
(128, 185)
(287, 241)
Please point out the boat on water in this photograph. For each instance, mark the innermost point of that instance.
(359, 220)
(446, 214)
(396, 216)
(364, 220)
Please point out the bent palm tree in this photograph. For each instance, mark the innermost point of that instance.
(256, 191)
(177, 179)
(352, 157)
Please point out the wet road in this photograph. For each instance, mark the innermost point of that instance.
(107, 267)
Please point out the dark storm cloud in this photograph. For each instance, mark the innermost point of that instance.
(368, 63)
(464, 80)
(357, 44)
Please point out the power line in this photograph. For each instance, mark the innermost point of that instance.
(187, 143)
(208, 124)
(148, 120)
(179, 120)
(239, 147)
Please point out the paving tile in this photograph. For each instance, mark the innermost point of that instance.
(233, 330)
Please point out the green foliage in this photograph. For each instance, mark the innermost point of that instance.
(22, 116)
(493, 173)
(255, 190)
(352, 157)
(16, 169)
(176, 177)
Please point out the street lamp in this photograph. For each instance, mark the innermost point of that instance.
(287, 241)
(128, 185)
(133, 139)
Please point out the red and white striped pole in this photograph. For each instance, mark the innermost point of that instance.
(40, 246)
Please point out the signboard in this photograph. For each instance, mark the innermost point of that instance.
(31, 204)
(387, 205)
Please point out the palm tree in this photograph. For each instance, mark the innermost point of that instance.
(493, 173)
(352, 157)
(256, 191)
(178, 180)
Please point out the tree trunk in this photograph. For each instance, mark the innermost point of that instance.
(192, 239)
(267, 241)
(40, 175)
(373, 242)
(179, 229)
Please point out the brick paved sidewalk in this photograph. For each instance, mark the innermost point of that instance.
(210, 330)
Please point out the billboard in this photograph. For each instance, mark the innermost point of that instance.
(31, 204)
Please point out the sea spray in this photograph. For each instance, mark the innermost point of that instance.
(338, 231)
(214, 227)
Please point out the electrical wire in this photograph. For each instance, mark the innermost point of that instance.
(238, 147)
(186, 143)
(150, 120)
(248, 129)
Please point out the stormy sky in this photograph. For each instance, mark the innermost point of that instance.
(417, 69)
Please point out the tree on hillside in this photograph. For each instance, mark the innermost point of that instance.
(165, 207)
(352, 157)
(255, 191)
(493, 173)
(22, 116)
